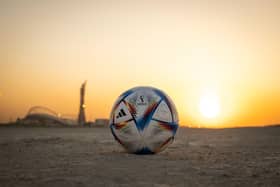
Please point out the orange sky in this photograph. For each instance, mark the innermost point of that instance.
(186, 48)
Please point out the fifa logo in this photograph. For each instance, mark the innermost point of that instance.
(141, 101)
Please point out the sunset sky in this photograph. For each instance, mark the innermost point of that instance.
(218, 60)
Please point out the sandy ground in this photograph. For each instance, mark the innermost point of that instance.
(90, 157)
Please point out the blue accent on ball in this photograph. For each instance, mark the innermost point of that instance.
(163, 96)
(144, 151)
(142, 122)
(125, 94)
(111, 128)
(174, 128)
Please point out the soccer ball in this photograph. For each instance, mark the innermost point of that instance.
(144, 120)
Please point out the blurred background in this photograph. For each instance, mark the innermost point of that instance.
(218, 60)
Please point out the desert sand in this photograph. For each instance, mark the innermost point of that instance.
(91, 157)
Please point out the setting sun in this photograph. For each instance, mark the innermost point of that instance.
(209, 105)
(219, 62)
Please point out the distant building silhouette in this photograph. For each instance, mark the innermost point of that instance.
(82, 115)
(45, 116)
(41, 115)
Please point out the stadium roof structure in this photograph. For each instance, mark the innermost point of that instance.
(47, 116)
(43, 114)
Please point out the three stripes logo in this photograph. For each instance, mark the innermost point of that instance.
(121, 114)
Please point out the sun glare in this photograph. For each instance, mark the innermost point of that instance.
(209, 105)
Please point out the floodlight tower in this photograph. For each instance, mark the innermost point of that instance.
(82, 115)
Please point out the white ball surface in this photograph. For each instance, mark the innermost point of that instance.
(144, 120)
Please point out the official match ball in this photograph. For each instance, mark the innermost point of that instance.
(144, 120)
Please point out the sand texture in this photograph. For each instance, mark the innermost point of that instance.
(90, 157)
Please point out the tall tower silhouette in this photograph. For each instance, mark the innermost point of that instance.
(82, 115)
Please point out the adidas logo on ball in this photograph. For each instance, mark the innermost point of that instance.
(121, 113)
